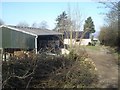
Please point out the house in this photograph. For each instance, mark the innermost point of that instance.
(27, 38)
(76, 38)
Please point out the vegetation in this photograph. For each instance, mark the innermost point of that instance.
(108, 36)
(94, 48)
(109, 32)
(63, 23)
(44, 71)
(116, 53)
(119, 59)
(89, 25)
(23, 24)
(1, 22)
(43, 25)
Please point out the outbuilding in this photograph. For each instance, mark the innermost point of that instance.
(77, 38)
(26, 38)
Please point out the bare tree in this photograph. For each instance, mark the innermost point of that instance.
(111, 36)
(23, 24)
(1, 22)
(35, 25)
(43, 25)
(77, 24)
(71, 23)
(114, 8)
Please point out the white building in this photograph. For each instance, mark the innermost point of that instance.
(76, 38)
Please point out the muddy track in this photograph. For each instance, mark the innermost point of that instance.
(107, 67)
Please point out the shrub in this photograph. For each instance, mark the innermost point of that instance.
(46, 71)
(119, 59)
(80, 74)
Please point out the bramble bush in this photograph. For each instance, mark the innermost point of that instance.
(45, 71)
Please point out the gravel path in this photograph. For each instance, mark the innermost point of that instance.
(107, 67)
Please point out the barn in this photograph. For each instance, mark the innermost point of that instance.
(27, 38)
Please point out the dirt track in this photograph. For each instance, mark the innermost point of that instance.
(107, 67)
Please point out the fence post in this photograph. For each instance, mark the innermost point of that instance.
(1, 58)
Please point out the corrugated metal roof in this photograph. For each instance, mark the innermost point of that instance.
(34, 31)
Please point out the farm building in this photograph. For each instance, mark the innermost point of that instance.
(16, 38)
(76, 37)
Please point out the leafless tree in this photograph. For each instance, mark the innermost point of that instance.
(74, 25)
(111, 36)
(77, 24)
(1, 22)
(23, 24)
(35, 25)
(43, 25)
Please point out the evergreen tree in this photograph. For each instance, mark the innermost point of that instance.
(89, 25)
(63, 22)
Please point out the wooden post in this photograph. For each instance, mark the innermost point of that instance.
(1, 58)
(1, 54)
(5, 56)
(36, 44)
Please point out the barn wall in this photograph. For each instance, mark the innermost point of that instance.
(16, 39)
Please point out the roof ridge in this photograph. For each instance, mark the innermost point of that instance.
(32, 31)
(24, 27)
(13, 28)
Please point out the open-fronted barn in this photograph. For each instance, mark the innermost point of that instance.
(27, 38)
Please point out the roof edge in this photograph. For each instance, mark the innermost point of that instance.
(18, 30)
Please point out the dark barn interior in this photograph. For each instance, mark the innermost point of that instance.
(49, 43)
